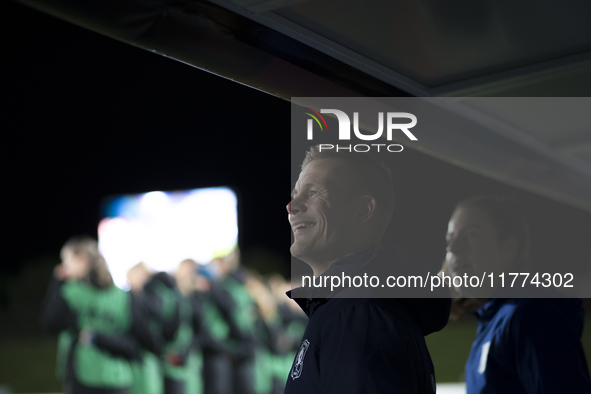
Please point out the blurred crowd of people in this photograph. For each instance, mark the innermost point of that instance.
(217, 328)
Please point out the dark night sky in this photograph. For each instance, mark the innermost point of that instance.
(85, 116)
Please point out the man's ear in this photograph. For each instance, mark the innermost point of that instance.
(366, 208)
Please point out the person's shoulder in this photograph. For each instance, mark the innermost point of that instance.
(534, 307)
(376, 321)
(161, 278)
(75, 288)
(391, 311)
(518, 310)
(352, 304)
(529, 315)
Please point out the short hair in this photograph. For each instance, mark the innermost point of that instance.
(189, 262)
(368, 172)
(140, 267)
(507, 217)
(98, 273)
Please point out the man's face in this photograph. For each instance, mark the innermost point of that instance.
(473, 246)
(321, 212)
(75, 266)
(137, 279)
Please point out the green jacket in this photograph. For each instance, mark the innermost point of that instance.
(104, 311)
(182, 361)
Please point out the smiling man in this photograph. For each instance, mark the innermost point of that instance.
(355, 342)
(335, 212)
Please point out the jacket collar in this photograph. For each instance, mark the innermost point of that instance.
(309, 305)
(316, 297)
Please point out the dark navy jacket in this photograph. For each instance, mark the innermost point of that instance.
(366, 345)
(528, 346)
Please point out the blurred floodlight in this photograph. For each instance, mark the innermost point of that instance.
(154, 203)
(164, 228)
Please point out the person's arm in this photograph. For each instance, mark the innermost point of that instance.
(365, 350)
(548, 350)
(55, 312)
(118, 345)
(223, 300)
(141, 326)
(126, 345)
(161, 302)
(207, 341)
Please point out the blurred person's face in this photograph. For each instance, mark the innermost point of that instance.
(75, 266)
(202, 284)
(185, 277)
(473, 245)
(137, 279)
(218, 268)
(320, 213)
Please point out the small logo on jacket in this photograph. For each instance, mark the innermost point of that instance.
(298, 364)
(483, 357)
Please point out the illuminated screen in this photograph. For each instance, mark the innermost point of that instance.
(163, 228)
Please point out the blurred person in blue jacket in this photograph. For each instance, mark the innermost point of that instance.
(523, 345)
(341, 206)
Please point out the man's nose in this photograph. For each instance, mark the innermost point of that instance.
(295, 206)
(454, 246)
(288, 207)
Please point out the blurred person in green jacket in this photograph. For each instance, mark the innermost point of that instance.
(174, 317)
(147, 372)
(243, 320)
(101, 328)
(190, 320)
(217, 344)
(273, 356)
(293, 319)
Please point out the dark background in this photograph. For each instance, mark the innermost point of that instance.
(84, 117)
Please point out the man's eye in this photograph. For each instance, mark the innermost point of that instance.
(312, 192)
